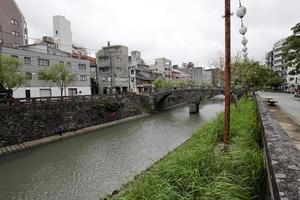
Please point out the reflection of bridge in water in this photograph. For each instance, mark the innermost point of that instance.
(192, 96)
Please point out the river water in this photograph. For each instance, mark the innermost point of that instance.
(88, 166)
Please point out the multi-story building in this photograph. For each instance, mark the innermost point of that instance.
(62, 33)
(269, 59)
(37, 57)
(140, 75)
(211, 77)
(278, 62)
(162, 66)
(197, 75)
(13, 28)
(112, 63)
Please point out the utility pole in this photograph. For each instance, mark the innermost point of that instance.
(227, 74)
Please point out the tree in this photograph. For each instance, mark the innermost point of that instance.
(291, 52)
(249, 74)
(58, 74)
(10, 76)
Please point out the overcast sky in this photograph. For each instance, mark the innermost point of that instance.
(181, 30)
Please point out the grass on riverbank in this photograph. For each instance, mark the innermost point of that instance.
(199, 170)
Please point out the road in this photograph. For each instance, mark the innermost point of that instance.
(287, 102)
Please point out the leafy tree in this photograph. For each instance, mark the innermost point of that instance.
(10, 76)
(291, 52)
(250, 75)
(58, 74)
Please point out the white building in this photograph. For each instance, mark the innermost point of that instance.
(62, 33)
(37, 57)
(162, 66)
(278, 62)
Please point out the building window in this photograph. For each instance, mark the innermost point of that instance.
(45, 93)
(1, 39)
(292, 79)
(27, 60)
(14, 22)
(56, 32)
(28, 75)
(14, 56)
(16, 44)
(132, 72)
(68, 64)
(43, 62)
(82, 67)
(82, 78)
(15, 33)
(132, 80)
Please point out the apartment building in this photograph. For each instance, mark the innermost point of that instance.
(113, 62)
(162, 66)
(13, 28)
(41, 56)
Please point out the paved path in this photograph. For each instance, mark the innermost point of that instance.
(287, 102)
(288, 108)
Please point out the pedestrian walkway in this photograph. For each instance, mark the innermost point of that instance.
(287, 113)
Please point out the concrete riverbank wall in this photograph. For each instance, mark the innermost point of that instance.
(282, 157)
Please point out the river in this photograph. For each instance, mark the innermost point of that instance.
(87, 166)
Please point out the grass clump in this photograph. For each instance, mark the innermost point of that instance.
(200, 170)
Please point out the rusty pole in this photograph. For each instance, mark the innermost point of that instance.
(227, 74)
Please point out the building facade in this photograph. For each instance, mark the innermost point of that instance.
(41, 56)
(13, 28)
(113, 63)
(278, 62)
(162, 66)
(62, 33)
(269, 59)
(197, 75)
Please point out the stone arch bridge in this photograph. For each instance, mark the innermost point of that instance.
(192, 96)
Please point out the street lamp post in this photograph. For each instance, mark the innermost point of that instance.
(227, 74)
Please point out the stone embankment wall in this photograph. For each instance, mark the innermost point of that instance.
(21, 123)
(282, 157)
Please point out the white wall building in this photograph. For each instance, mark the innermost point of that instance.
(162, 66)
(62, 33)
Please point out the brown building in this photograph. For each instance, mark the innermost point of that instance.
(13, 28)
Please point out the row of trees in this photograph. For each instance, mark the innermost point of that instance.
(11, 77)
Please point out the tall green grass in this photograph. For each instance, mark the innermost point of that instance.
(199, 169)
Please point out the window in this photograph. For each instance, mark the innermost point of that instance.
(14, 22)
(72, 91)
(28, 75)
(132, 71)
(82, 78)
(132, 80)
(15, 33)
(14, 56)
(56, 32)
(27, 60)
(291, 79)
(1, 41)
(16, 44)
(68, 64)
(45, 92)
(82, 67)
(43, 62)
